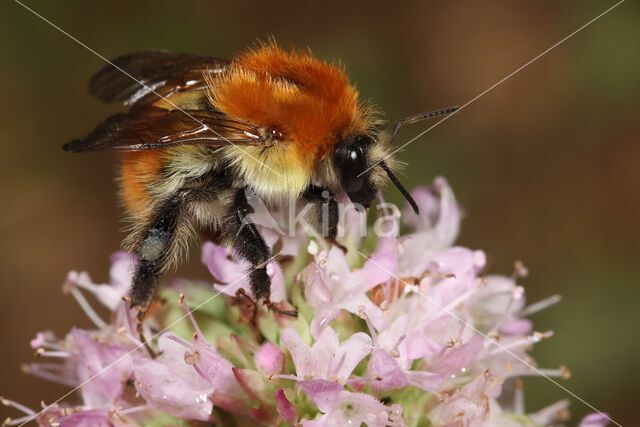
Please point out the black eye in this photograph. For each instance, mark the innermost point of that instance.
(355, 162)
(351, 161)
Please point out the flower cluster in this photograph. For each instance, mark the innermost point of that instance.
(410, 335)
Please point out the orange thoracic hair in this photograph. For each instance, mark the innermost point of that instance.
(311, 102)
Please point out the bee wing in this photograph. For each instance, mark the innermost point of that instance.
(143, 77)
(151, 127)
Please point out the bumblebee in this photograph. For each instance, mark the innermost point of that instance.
(201, 132)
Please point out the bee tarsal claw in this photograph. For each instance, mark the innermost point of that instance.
(273, 307)
(142, 314)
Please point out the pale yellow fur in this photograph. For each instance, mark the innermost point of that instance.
(274, 173)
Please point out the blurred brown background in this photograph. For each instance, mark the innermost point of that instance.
(545, 165)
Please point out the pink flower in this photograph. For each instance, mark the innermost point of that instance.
(169, 383)
(75, 417)
(469, 406)
(286, 410)
(597, 419)
(104, 386)
(270, 359)
(204, 360)
(436, 227)
(331, 285)
(110, 295)
(412, 335)
(387, 372)
(344, 408)
(326, 358)
(232, 272)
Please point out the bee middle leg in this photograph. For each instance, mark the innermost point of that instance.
(249, 245)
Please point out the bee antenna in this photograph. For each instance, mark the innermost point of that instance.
(420, 117)
(400, 187)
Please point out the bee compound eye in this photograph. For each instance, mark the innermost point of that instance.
(355, 162)
(350, 160)
(351, 163)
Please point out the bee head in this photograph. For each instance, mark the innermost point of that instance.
(360, 162)
(350, 160)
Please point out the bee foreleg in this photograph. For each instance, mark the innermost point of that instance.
(249, 245)
(329, 212)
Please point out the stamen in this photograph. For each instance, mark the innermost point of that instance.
(525, 341)
(339, 366)
(561, 372)
(312, 247)
(519, 270)
(86, 307)
(42, 352)
(311, 230)
(550, 413)
(447, 309)
(37, 370)
(540, 305)
(513, 295)
(39, 341)
(179, 340)
(390, 215)
(132, 328)
(199, 371)
(123, 413)
(191, 358)
(287, 377)
(18, 406)
(453, 342)
(193, 320)
(518, 400)
(438, 275)
(383, 204)
(84, 284)
(372, 331)
(398, 244)
(395, 352)
(366, 380)
(387, 287)
(241, 349)
(18, 421)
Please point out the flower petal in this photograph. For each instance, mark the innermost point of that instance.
(386, 368)
(169, 384)
(596, 419)
(286, 410)
(270, 359)
(94, 357)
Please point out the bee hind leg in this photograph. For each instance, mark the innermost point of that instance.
(142, 314)
(155, 250)
(273, 307)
